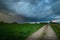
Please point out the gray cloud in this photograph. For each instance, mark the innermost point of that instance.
(35, 9)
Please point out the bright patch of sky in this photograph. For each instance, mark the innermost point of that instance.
(47, 1)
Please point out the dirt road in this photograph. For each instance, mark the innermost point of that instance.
(49, 34)
(44, 33)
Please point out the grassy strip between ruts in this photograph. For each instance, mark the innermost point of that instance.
(56, 28)
(17, 31)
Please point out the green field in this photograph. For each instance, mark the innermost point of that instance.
(56, 28)
(22, 31)
(17, 31)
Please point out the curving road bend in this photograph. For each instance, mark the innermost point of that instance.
(44, 33)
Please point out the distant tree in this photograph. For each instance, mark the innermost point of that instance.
(36, 23)
(26, 23)
(51, 22)
(15, 23)
(1, 22)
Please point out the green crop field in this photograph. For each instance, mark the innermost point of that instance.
(17, 31)
(22, 31)
(56, 28)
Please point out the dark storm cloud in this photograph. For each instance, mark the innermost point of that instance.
(33, 9)
(56, 8)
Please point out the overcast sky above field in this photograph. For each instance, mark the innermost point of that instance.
(30, 10)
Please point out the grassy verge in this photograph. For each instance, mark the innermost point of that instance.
(56, 28)
(17, 31)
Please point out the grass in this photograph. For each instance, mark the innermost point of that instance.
(56, 28)
(17, 31)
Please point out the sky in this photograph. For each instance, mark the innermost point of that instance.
(30, 10)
